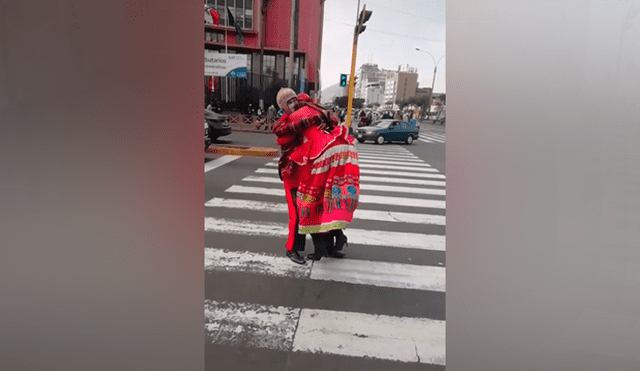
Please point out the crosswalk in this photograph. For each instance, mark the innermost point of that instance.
(431, 136)
(384, 302)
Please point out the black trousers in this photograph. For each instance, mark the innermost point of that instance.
(300, 239)
(324, 243)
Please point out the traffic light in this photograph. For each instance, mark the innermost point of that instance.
(343, 80)
(364, 17)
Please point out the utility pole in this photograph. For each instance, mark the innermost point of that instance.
(291, 42)
(362, 18)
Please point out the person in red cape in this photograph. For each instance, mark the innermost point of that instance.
(322, 161)
(289, 174)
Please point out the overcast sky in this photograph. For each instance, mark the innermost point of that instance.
(393, 32)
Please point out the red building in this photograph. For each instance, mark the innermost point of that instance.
(265, 27)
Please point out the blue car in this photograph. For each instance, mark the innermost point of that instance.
(388, 130)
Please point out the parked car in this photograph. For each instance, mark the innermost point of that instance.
(207, 140)
(218, 124)
(388, 131)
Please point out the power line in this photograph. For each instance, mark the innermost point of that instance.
(388, 33)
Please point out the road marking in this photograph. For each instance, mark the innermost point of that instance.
(407, 181)
(372, 172)
(373, 166)
(375, 147)
(363, 199)
(428, 137)
(361, 160)
(360, 214)
(390, 157)
(433, 138)
(365, 335)
(405, 240)
(436, 134)
(250, 325)
(380, 274)
(248, 262)
(360, 272)
(320, 331)
(373, 151)
(397, 173)
(365, 187)
(208, 166)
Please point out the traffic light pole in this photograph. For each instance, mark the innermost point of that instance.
(353, 68)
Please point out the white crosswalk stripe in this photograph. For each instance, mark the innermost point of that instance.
(369, 172)
(415, 340)
(404, 197)
(431, 137)
(397, 167)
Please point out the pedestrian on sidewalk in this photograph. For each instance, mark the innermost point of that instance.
(325, 163)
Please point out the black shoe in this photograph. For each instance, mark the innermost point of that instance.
(341, 240)
(337, 255)
(314, 257)
(295, 257)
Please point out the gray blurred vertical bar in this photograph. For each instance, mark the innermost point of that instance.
(101, 185)
(543, 174)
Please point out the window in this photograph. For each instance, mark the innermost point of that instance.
(296, 67)
(269, 65)
(242, 11)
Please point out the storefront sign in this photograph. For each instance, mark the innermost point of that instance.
(227, 65)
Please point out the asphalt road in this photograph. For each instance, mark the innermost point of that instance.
(380, 308)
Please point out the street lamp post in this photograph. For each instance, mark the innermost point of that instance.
(433, 83)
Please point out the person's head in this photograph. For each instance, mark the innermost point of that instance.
(286, 100)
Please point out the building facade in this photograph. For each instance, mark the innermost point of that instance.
(265, 39)
(366, 74)
(375, 93)
(400, 85)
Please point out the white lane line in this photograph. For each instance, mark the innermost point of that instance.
(405, 240)
(318, 331)
(249, 262)
(376, 147)
(373, 166)
(434, 139)
(435, 135)
(367, 161)
(387, 153)
(428, 137)
(250, 325)
(364, 187)
(208, 166)
(380, 274)
(360, 214)
(379, 153)
(441, 137)
(362, 160)
(360, 272)
(398, 173)
(407, 181)
(367, 335)
(363, 199)
(424, 140)
(389, 157)
(373, 172)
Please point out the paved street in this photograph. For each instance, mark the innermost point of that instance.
(380, 308)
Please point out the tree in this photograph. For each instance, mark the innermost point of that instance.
(443, 98)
